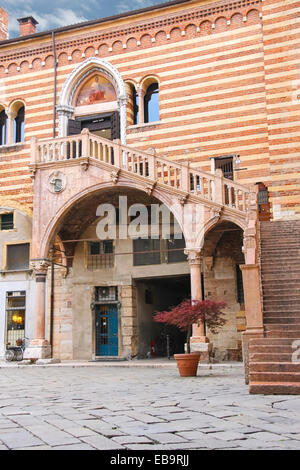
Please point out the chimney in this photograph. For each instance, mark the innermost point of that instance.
(3, 24)
(27, 25)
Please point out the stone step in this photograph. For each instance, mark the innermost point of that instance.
(274, 388)
(289, 334)
(292, 302)
(274, 377)
(271, 348)
(270, 341)
(270, 357)
(292, 277)
(275, 367)
(284, 320)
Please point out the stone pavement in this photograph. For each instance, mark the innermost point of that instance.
(140, 408)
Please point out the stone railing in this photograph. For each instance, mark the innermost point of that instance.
(181, 176)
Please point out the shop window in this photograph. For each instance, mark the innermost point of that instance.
(3, 128)
(15, 318)
(100, 255)
(151, 103)
(7, 221)
(19, 126)
(17, 256)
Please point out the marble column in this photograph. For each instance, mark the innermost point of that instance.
(199, 340)
(39, 347)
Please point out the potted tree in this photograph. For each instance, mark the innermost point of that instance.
(184, 316)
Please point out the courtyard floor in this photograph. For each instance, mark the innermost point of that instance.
(140, 408)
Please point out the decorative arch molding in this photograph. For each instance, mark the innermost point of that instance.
(93, 64)
(49, 233)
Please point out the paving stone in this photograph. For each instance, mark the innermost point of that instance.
(132, 440)
(168, 438)
(102, 443)
(19, 438)
(74, 447)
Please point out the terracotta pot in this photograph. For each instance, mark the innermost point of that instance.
(187, 364)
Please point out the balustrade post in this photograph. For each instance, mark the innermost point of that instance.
(219, 187)
(185, 176)
(85, 143)
(118, 153)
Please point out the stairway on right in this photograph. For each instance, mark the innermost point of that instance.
(274, 362)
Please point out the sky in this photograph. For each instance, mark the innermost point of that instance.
(57, 13)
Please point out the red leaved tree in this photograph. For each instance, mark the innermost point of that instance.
(190, 312)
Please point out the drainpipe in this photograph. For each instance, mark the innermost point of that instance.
(55, 83)
(52, 300)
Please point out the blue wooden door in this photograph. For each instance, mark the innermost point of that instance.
(106, 330)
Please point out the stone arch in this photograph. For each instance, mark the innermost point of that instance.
(51, 230)
(75, 79)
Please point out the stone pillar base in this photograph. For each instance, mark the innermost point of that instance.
(38, 349)
(205, 350)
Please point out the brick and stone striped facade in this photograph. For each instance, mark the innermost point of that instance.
(228, 77)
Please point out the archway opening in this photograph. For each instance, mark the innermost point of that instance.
(107, 259)
(222, 279)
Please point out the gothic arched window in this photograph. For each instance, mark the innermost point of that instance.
(151, 103)
(3, 127)
(19, 126)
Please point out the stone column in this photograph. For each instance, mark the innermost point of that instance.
(199, 340)
(39, 347)
(122, 101)
(141, 93)
(64, 114)
(11, 115)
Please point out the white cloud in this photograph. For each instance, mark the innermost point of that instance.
(59, 17)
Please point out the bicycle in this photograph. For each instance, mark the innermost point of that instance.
(15, 353)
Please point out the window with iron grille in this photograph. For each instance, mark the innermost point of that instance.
(106, 294)
(15, 317)
(226, 165)
(100, 255)
(7, 221)
(17, 256)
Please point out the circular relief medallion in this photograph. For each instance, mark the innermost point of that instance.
(57, 182)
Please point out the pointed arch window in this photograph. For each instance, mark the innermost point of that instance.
(19, 126)
(151, 103)
(3, 127)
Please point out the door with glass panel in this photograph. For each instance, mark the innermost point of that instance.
(106, 317)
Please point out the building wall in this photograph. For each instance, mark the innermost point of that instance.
(222, 87)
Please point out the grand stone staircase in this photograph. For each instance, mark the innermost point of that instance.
(274, 362)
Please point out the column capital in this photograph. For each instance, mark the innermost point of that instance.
(40, 268)
(194, 255)
(65, 110)
(10, 113)
(122, 100)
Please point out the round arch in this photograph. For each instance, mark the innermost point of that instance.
(54, 223)
(65, 109)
